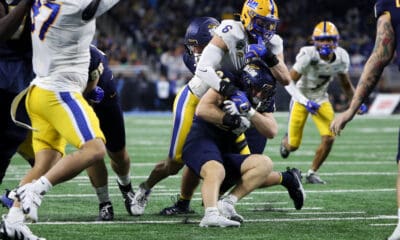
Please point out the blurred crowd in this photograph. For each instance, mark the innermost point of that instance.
(151, 33)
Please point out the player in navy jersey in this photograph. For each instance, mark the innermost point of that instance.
(15, 73)
(102, 94)
(387, 43)
(213, 137)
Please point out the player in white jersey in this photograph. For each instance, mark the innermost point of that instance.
(61, 34)
(234, 43)
(316, 66)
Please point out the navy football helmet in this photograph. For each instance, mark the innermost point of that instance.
(259, 83)
(199, 32)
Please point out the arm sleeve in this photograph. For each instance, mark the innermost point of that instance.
(295, 93)
(209, 61)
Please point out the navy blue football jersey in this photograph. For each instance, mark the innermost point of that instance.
(19, 46)
(106, 81)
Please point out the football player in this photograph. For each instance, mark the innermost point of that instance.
(102, 95)
(211, 150)
(58, 111)
(387, 43)
(15, 72)
(198, 34)
(251, 37)
(316, 66)
(101, 92)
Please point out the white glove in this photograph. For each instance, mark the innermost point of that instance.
(230, 108)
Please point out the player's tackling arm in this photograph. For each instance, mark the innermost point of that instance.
(209, 62)
(10, 22)
(280, 71)
(293, 90)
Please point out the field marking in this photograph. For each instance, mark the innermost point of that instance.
(259, 192)
(112, 178)
(323, 213)
(188, 220)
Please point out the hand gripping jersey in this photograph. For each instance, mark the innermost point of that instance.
(60, 40)
(317, 73)
(393, 8)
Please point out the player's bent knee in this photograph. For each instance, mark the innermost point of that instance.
(95, 148)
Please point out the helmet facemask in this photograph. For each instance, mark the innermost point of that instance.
(325, 45)
(262, 28)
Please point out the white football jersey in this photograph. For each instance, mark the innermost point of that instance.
(317, 73)
(60, 42)
(234, 35)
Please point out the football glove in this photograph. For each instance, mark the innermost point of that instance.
(230, 108)
(244, 125)
(241, 101)
(96, 95)
(312, 107)
(226, 88)
(95, 74)
(236, 123)
(363, 109)
(255, 51)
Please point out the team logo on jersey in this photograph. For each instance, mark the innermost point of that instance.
(252, 4)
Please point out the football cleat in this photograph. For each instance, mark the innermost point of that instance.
(179, 207)
(106, 212)
(396, 234)
(128, 195)
(295, 189)
(313, 178)
(283, 151)
(139, 201)
(30, 201)
(16, 230)
(227, 209)
(214, 219)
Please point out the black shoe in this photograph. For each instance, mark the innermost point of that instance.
(128, 194)
(295, 188)
(179, 207)
(106, 212)
(282, 150)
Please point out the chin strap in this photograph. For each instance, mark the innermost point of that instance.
(90, 10)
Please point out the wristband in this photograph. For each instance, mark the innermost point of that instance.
(250, 113)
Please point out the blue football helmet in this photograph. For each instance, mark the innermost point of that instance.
(259, 83)
(199, 32)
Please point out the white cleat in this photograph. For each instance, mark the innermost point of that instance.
(227, 209)
(396, 234)
(139, 201)
(217, 220)
(30, 201)
(16, 230)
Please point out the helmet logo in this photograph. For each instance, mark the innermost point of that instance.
(252, 4)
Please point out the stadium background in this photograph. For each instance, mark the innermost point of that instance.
(144, 43)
